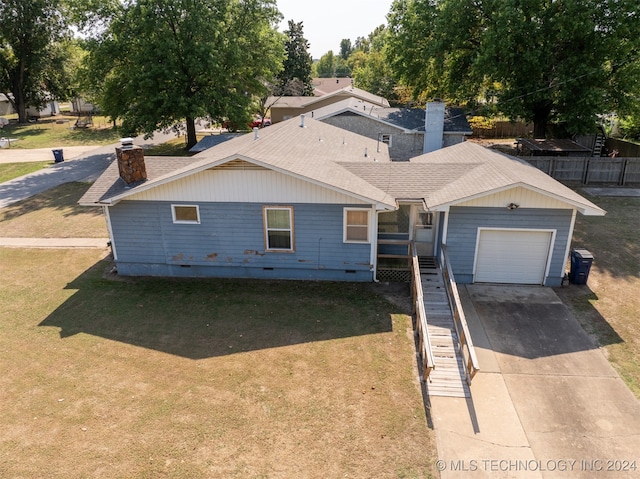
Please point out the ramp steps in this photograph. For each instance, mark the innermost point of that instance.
(447, 378)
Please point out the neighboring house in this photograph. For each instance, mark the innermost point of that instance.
(324, 86)
(285, 107)
(48, 109)
(6, 108)
(402, 129)
(210, 141)
(80, 105)
(306, 200)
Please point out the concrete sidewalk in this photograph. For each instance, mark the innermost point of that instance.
(88, 243)
(15, 155)
(546, 403)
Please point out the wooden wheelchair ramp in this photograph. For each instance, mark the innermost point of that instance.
(448, 377)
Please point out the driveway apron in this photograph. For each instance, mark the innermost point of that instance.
(546, 404)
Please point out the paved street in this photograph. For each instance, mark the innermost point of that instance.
(83, 164)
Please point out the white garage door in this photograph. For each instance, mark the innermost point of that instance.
(512, 256)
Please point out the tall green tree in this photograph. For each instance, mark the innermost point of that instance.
(345, 48)
(326, 66)
(540, 60)
(161, 62)
(370, 69)
(331, 65)
(29, 32)
(297, 64)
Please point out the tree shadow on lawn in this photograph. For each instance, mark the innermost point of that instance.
(62, 198)
(202, 318)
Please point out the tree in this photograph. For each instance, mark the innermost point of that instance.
(330, 66)
(325, 67)
(370, 70)
(29, 32)
(345, 48)
(551, 60)
(298, 63)
(161, 62)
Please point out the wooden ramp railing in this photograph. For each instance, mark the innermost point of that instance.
(466, 349)
(427, 362)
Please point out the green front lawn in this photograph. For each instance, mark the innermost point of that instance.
(9, 171)
(165, 378)
(57, 130)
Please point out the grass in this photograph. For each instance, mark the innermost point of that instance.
(138, 378)
(47, 132)
(54, 214)
(608, 306)
(208, 378)
(9, 171)
(173, 147)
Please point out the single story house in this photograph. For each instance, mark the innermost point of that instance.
(285, 107)
(306, 200)
(402, 129)
(324, 86)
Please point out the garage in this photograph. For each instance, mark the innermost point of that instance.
(513, 256)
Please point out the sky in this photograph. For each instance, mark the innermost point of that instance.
(326, 22)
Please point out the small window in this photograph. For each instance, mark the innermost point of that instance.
(385, 138)
(278, 226)
(356, 225)
(186, 214)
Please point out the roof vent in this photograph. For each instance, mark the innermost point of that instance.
(366, 154)
(301, 121)
(255, 133)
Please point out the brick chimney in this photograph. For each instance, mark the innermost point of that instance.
(131, 162)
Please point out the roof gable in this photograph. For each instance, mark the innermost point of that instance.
(495, 172)
(310, 153)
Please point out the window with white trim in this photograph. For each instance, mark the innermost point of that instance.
(186, 214)
(278, 228)
(356, 225)
(385, 138)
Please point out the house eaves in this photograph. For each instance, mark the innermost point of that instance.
(360, 108)
(584, 207)
(311, 153)
(381, 199)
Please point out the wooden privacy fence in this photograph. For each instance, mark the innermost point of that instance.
(588, 170)
(466, 349)
(503, 129)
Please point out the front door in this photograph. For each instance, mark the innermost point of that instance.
(424, 233)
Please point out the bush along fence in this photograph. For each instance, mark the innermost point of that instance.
(589, 170)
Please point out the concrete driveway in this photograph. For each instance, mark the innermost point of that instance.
(81, 164)
(546, 404)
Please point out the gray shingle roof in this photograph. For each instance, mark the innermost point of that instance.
(211, 141)
(335, 158)
(312, 153)
(308, 101)
(408, 119)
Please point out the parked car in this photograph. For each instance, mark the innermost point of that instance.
(233, 126)
(257, 121)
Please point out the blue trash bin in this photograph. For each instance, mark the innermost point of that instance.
(58, 156)
(581, 261)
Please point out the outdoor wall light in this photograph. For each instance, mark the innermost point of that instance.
(512, 206)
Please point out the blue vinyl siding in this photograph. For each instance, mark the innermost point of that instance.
(463, 230)
(229, 242)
